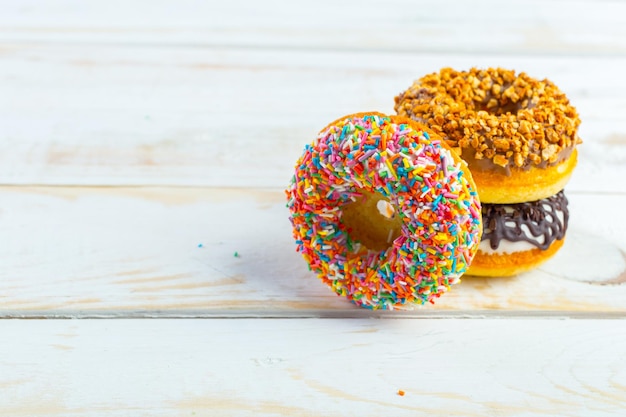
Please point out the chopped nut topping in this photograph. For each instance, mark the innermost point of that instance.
(502, 116)
(501, 144)
(500, 160)
(549, 151)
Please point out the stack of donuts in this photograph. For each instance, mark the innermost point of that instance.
(518, 136)
(468, 177)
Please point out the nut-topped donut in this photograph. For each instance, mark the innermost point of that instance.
(383, 211)
(517, 134)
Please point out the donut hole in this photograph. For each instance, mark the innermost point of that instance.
(372, 221)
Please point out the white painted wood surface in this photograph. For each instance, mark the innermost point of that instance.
(322, 367)
(134, 115)
(135, 251)
(532, 27)
(144, 147)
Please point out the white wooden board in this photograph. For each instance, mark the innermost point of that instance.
(241, 117)
(294, 368)
(229, 252)
(537, 27)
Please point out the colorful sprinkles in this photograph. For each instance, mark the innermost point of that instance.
(428, 188)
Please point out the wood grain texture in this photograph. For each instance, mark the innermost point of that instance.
(579, 28)
(225, 117)
(143, 150)
(229, 252)
(313, 367)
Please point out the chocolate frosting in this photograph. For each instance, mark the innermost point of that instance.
(506, 221)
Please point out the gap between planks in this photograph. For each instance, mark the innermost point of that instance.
(182, 187)
(357, 50)
(318, 314)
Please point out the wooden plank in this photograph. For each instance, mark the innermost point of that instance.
(219, 117)
(76, 252)
(302, 367)
(530, 27)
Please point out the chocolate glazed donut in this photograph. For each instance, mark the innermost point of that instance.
(519, 237)
(539, 223)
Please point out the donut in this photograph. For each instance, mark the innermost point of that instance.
(519, 237)
(383, 211)
(517, 134)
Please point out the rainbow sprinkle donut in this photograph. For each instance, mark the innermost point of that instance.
(428, 224)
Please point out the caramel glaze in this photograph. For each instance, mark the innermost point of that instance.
(484, 164)
(505, 221)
